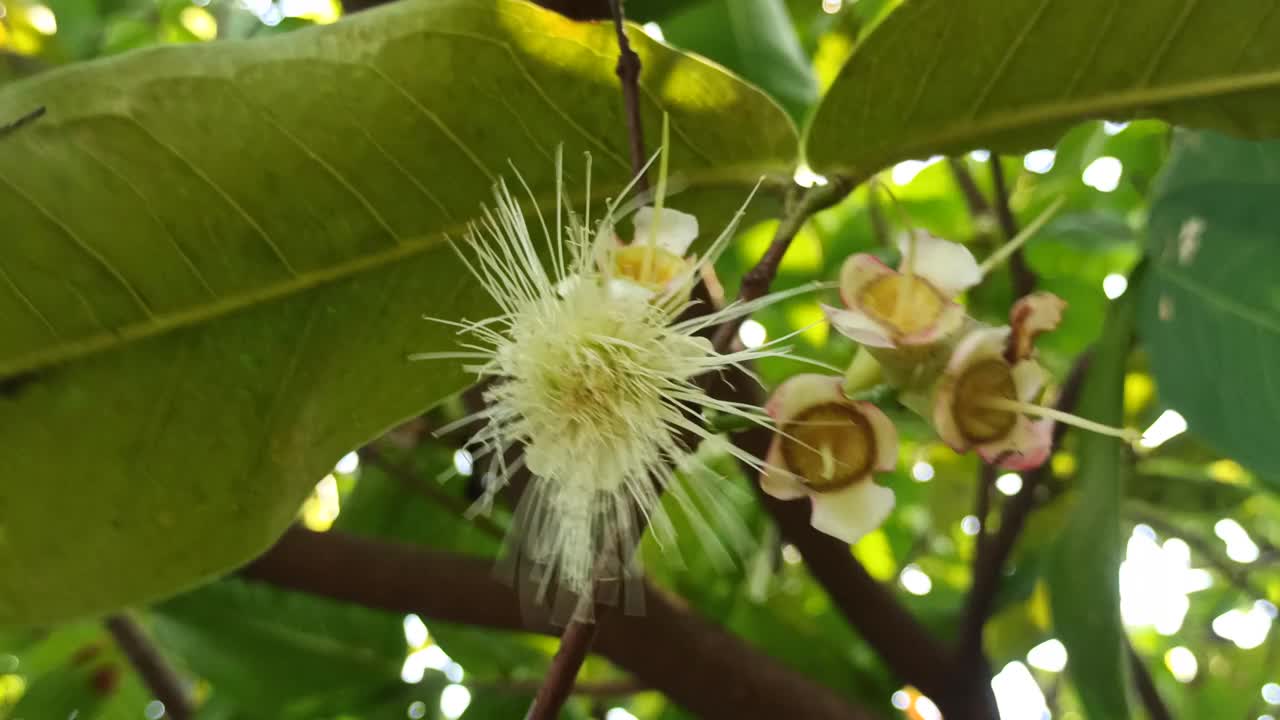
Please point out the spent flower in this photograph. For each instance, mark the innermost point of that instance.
(985, 397)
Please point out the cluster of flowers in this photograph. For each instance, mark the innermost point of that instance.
(594, 377)
(974, 383)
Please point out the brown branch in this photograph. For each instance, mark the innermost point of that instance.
(669, 647)
(427, 491)
(906, 647)
(156, 672)
(603, 689)
(1024, 278)
(575, 644)
(628, 70)
(990, 563)
(973, 197)
(800, 206)
(1156, 709)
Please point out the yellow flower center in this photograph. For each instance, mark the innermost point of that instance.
(977, 421)
(649, 266)
(906, 304)
(829, 446)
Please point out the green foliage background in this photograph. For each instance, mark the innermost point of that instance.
(216, 248)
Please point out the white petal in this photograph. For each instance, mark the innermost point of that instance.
(1028, 379)
(801, 392)
(949, 266)
(624, 289)
(675, 230)
(850, 513)
(857, 326)
(775, 480)
(856, 273)
(978, 345)
(886, 436)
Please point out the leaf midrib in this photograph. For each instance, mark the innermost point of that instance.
(1093, 105)
(303, 281)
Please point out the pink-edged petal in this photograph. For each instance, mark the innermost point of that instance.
(1026, 447)
(676, 230)
(1029, 379)
(856, 273)
(801, 392)
(886, 436)
(951, 320)
(775, 480)
(857, 326)
(978, 345)
(948, 266)
(852, 512)
(1034, 314)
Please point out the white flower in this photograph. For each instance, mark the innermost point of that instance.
(828, 448)
(592, 386)
(911, 306)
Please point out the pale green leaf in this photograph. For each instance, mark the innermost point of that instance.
(1211, 308)
(1083, 572)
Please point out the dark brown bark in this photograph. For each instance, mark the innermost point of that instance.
(697, 664)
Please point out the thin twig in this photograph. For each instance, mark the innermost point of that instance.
(580, 633)
(670, 647)
(628, 70)
(1156, 709)
(879, 224)
(990, 565)
(575, 643)
(973, 197)
(156, 672)
(800, 206)
(429, 492)
(1024, 279)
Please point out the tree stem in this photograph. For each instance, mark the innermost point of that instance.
(156, 672)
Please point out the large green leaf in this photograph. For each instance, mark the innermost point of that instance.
(943, 76)
(754, 38)
(1211, 311)
(283, 655)
(215, 261)
(1084, 566)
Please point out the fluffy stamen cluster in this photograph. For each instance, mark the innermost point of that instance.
(592, 384)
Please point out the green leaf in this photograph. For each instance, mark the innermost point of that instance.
(216, 260)
(944, 76)
(754, 38)
(1084, 565)
(1211, 308)
(281, 654)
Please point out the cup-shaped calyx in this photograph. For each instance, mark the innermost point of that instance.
(911, 306)
(984, 397)
(827, 448)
